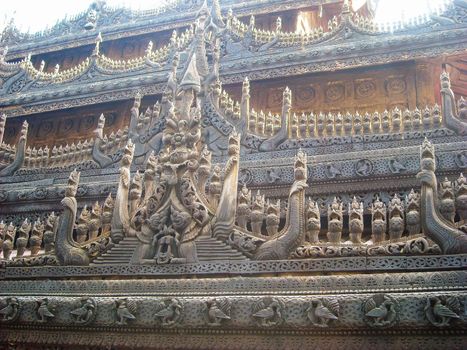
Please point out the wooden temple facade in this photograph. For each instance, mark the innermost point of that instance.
(266, 174)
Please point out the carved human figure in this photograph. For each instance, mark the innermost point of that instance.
(121, 218)
(272, 217)
(204, 169)
(166, 245)
(94, 221)
(257, 213)
(215, 186)
(37, 233)
(335, 222)
(82, 226)
(10, 235)
(396, 218)
(3, 227)
(313, 222)
(461, 197)
(378, 221)
(355, 221)
(107, 211)
(244, 207)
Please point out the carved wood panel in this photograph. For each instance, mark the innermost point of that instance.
(405, 85)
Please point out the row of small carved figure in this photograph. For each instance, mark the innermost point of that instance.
(178, 42)
(396, 218)
(379, 311)
(316, 125)
(28, 235)
(39, 235)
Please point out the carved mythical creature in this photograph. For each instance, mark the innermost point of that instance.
(290, 237)
(461, 197)
(23, 237)
(124, 311)
(412, 205)
(335, 221)
(49, 233)
(268, 312)
(446, 200)
(217, 311)
(320, 312)
(313, 222)
(396, 218)
(35, 240)
(85, 313)
(44, 310)
(435, 226)
(440, 311)
(67, 250)
(272, 217)
(273, 142)
(169, 312)
(355, 221)
(10, 235)
(378, 221)
(20, 153)
(10, 309)
(381, 311)
(452, 119)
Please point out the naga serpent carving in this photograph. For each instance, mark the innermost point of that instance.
(435, 226)
(449, 106)
(67, 250)
(281, 245)
(20, 153)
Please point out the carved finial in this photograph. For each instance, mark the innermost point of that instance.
(252, 22)
(346, 7)
(191, 78)
(278, 24)
(149, 48)
(97, 41)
